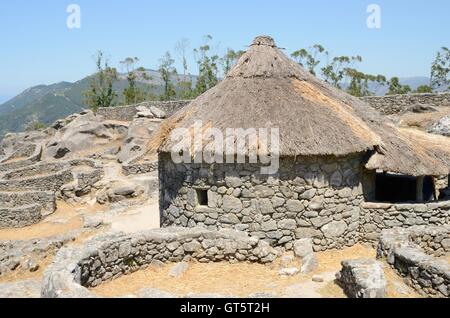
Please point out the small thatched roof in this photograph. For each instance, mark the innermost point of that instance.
(266, 89)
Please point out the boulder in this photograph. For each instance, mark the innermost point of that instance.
(178, 270)
(442, 127)
(158, 113)
(303, 247)
(362, 278)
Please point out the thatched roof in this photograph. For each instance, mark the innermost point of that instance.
(266, 89)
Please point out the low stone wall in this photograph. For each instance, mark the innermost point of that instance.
(423, 271)
(376, 217)
(133, 168)
(20, 216)
(109, 257)
(45, 198)
(362, 278)
(17, 164)
(127, 113)
(394, 104)
(49, 182)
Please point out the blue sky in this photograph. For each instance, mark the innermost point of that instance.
(38, 48)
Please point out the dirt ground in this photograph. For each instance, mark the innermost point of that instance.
(422, 121)
(66, 218)
(244, 279)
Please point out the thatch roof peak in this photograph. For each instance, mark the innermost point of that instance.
(264, 40)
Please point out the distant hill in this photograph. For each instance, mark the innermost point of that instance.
(47, 103)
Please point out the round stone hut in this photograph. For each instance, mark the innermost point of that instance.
(343, 171)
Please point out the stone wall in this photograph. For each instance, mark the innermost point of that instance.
(311, 197)
(8, 165)
(110, 257)
(395, 104)
(376, 217)
(127, 113)
(427, 274)
(20, 216)
(46, 199)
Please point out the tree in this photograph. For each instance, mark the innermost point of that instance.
(310, 58)
(167, 71)
(185, 84)
(133, 94)
(100, 92)
(359, 82)
(424, 89)
(334, 72)
(395, 88)
(207, 67)
(229, 60)
(440, 70)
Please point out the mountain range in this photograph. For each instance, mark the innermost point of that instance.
(47, 103)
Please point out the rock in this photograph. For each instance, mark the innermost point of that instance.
(231, 204)
(233, 182)
(317, 279)
(362, 278)
(143, 112)
(21, 289)
(303, 247)
(31, 265)
(442, 127)
(158, 113)
(421, 108)
(316, 203)
(286, 260)
(288, 271)
(192, 247)
(334, 229)
(295, 206)
(178, 270)
(287, 224)
(321, 221)
(309, 264)
(308, 195)
(125, 190)
(269, 226)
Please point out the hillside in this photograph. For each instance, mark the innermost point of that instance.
(47, 103)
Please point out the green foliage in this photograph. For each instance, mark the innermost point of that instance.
(359, 82)
(424, 89)
(310, 58)
(133, 94)
(35, 125)
(167, 71)
(229, 60)
(100, 92)
(207, 67)
(440, 70)
(334, 72)
(395, 88)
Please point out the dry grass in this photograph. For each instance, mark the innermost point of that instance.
(343, 111)
(423, 120)
(240, 279)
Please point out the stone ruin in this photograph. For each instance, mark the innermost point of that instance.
(416, 253)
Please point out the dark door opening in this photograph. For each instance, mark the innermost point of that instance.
(399, 188)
